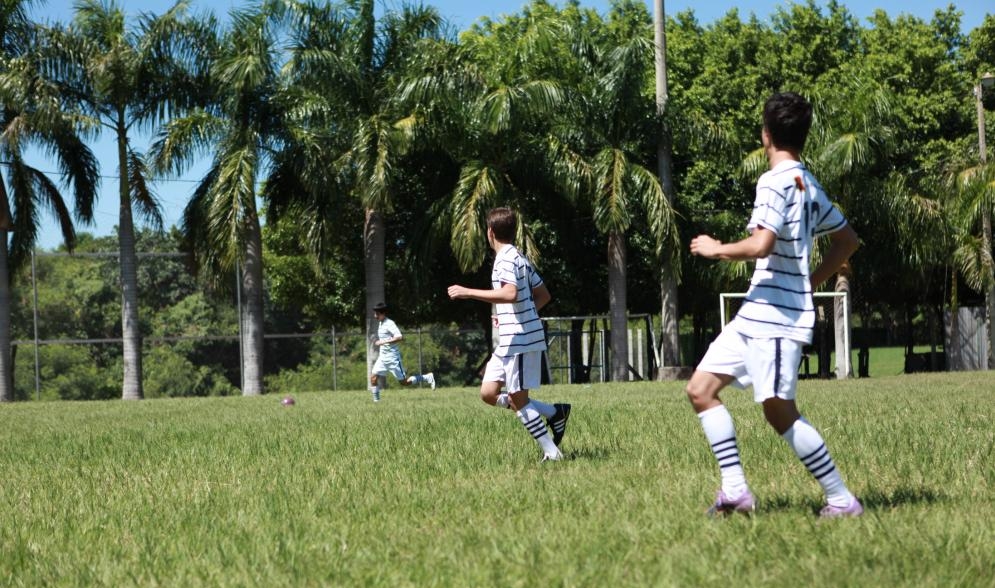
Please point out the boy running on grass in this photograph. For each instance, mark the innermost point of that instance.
(519, 293)
(389, 358)
(763, 343)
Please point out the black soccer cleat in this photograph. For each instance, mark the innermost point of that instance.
(559, 422)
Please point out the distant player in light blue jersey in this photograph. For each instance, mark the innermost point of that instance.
(389, 359)
(518, 293)
(763, 343)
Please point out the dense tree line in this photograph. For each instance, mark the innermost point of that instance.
(377, 142)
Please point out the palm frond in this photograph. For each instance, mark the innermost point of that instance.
(570, 170)
(194, 227)
(659, 213)
(754, 165)
(518, 105)
(478, 189)
(612, 203)
(79, 168)
(846, 153)
(32, 191)
(232, 201)
(377, 146)
(975, 262)
(142, 197)
(184, 139)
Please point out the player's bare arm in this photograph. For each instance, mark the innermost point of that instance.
(758, 245)
(507, 293)
(541, 296)
(842, 244)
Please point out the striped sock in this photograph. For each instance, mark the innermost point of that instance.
(721, 434)
(812, 451)
(536, 427)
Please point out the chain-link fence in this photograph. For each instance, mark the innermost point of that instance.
(66, 316)
(67, 338)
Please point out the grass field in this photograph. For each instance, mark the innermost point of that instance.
(436, 489)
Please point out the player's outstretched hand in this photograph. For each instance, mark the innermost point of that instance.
(456, 292)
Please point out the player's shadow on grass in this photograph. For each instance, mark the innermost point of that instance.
(877, 500)
(871, 500)
(590, 453)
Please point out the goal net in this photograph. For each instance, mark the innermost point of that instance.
(829, 354)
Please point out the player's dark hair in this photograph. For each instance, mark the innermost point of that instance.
(787, 118)
(504, 223)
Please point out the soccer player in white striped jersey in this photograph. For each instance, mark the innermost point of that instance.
(518, 293)
(389, 359)
(762, 345)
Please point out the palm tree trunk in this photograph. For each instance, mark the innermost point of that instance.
(670, 343)
(252, 299)
(373, 253)
(617, 304)
(131, 387)
(841, 324)
(6, 359)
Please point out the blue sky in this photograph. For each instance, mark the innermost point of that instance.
(462, 13)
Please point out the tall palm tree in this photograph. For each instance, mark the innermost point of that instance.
(615, 114)
(129, 79)
(243, 127)
(32, 113)
(345, 66)
(514, 134)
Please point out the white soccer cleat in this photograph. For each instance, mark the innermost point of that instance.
(430, 378)
(552, 457)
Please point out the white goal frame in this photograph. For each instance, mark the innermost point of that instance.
(846, 321)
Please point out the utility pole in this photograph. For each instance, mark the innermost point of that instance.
(669, 352)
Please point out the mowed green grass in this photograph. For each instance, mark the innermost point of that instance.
(433, 488)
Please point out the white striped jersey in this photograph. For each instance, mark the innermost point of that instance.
(792, 204)
(389, 351)
(519, 326)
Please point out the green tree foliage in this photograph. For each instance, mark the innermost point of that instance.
(342, 117)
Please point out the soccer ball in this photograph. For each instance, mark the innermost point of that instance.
(288, 401)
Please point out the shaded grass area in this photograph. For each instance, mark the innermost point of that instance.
(436, 489)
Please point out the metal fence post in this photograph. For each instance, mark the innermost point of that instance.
(421, 367)
(34, 287)
(335, 363)
(238, 301)
(604, 354)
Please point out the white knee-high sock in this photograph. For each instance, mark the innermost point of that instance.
(536, 427)
(721, 434)
(544, 409)
(813, 453)
(375, 389)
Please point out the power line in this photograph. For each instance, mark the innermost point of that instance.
(111, 177)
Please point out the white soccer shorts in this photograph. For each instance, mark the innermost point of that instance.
(519, 372)
(394, 368)
(771, 365)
